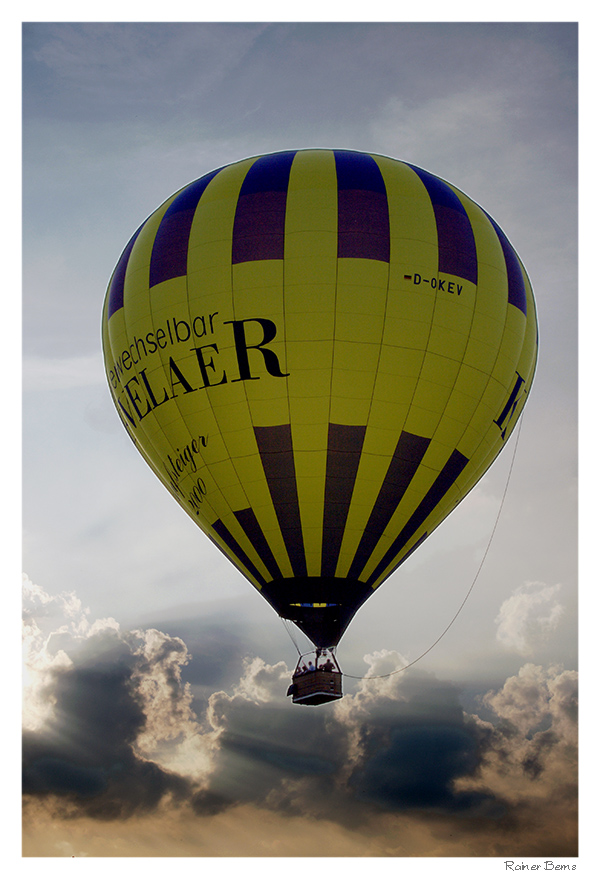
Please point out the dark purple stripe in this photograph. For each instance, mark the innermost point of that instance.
(116, 289)
(456, 242)
(259, 225)
(517, 295)
(451, 470)
(344, 447)
(403, 466)
(234, 547)
(358, 171)
(249, 522)
(170, 248)
(363, 216)
(277, 456)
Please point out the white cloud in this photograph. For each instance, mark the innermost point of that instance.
(39, 668)
(528, 618)
(58, 632)
(533, 751)
(261, 682)
(172, 736)
(49, 621)
(524, 700)
(381, 680)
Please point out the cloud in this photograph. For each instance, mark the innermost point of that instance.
(531, 758)
(397, 760)
(108, 724)
(409, 740)
(49, 622)
(171, 736)
(529, 617)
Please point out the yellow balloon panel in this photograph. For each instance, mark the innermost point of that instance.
(319, 353)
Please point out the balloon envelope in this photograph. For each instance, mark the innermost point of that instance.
(319, 353)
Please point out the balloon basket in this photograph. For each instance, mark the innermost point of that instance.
(314, 683)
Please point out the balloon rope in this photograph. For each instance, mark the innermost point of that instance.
(290, 633)
(464, 601)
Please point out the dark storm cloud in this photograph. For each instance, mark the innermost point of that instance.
(86, 753)
(413, 748)
(126, 739)
(404, 753)
(416, 766)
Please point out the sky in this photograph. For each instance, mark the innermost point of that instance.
(155, 717)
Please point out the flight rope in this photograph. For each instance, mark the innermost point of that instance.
(472, 586)
(291, 634)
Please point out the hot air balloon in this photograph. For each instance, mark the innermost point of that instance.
(319, 353)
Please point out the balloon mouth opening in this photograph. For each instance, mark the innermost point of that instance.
(321, 607)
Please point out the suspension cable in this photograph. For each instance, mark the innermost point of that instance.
(291, 634)
(464, 601)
